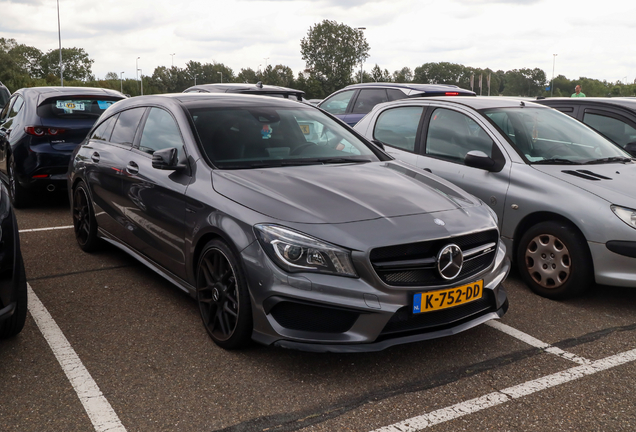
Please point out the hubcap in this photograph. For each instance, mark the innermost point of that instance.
(548, 261)
(217, 294)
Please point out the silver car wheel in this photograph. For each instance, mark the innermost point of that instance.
(548, 261)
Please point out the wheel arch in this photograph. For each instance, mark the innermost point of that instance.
(201, 241)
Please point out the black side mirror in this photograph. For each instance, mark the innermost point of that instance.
(378, 143)
(631, 148)
(166, 159)
(479, 159)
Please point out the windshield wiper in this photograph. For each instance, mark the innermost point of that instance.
(556, 161)
(609, 160)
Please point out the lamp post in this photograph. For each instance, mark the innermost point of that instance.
(121, 81)
(195, 79)
(141, 79)
(265, 58)
(221, 73)
(137, 69)
(552, 82)
(173, 54)
(361, 63)
(59, 35)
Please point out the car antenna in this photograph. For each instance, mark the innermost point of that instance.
(521, 104)
(259, 84)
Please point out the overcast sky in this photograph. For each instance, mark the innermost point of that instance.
(592, 38)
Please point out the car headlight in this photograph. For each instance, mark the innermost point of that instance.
(297, 252)
(627, 215)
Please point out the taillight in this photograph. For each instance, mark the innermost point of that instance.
(41, 131)
(452, 93)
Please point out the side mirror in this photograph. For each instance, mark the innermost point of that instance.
(479, 159)
(378, 143)
(166, 159)
(631, 148)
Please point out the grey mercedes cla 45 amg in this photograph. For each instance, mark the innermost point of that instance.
(287, 227)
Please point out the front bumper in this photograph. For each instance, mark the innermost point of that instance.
(613, 268)
(324, 313)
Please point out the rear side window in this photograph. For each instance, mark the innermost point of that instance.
(395, 94)
(160, 132)
(75, 107)
(397, 127)
(367, 99)
(4, 96)
(337, 104)
(126, 126)
(105, 129)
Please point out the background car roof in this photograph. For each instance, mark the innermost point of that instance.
(621, 101)
(423, 88)
(52, 91)
(477, 103)
(243, 87)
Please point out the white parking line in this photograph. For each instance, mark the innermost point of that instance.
(508, 394)
(45, 229)
(99, 411)
(524, 337)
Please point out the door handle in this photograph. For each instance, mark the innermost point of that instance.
(428, 169)
(95, 157)
(132, 168)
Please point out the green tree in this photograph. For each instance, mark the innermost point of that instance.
(379, 75)
(278, 75)
(525, 82)
(332, 52)
(247, 76)
(75, 61)
(404, 75)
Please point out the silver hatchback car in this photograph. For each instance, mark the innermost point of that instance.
(564, 195)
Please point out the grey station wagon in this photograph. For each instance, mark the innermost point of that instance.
(564, 194)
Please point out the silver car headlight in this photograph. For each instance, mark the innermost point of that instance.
(297, 252)
(627, 215)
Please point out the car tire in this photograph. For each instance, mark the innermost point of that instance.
(84, 222)
(18, 194)
(15, 323)
(223, 297)
(554, 261)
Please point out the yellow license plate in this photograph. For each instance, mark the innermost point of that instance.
(447, 298)
(305, 129)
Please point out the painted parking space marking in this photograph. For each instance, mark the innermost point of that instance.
(524, 337)
(45, 229)
(99, 411)
(506, 395)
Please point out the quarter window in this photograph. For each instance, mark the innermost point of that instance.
(126, 126)
(451, 135)
(616, 130)
(398, 127)
(160, 132)
(105, 129)
(367, 99)
(337, 104)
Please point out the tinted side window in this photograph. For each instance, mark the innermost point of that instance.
(395, 94)
(451, 135)
(126, 126)
(398, 127)
(367, 99)
(616, 130)
(17, 106)
(11, 110)
(105, 129)
(160, 132)
(337, 104)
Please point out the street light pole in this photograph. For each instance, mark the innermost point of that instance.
(137, 69)
(59, 35)
(221, 73)
(172, 58)
(361, 63)
(121, 81)
(141, 77)
(552, 82)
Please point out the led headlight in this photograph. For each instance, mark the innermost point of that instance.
(627, 215)
(297, 252)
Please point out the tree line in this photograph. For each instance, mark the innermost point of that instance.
(333, 54)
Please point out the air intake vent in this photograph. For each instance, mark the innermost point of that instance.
(586, 174)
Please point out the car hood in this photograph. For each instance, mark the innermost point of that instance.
(614, 182)
(340, 193)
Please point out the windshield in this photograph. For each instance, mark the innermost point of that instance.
(548, 136)
(257, 137)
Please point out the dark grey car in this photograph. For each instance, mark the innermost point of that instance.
(286, 226)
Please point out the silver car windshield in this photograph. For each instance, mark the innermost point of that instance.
(548, 136)
(257, 137)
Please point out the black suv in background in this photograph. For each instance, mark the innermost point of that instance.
(5, 94)
(255, 89)
(354, 102)
(614, 118)
(39, 128)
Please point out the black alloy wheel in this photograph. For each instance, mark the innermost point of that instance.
(17, 193)
(84, 222)
(223, 297)
(554, 261)
(15, 323)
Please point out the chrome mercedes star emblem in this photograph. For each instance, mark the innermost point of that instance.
(450, 261)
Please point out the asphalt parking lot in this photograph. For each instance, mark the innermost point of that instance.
(110, 346)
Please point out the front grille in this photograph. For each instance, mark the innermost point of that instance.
(299, 316)
(403, 321)
(427, 274)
